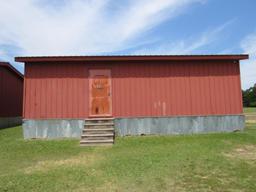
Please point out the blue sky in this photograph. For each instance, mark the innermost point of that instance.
(96, 27)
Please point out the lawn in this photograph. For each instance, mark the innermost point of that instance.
(207, 162)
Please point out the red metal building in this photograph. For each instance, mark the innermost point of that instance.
(132, 87)
(11, 95)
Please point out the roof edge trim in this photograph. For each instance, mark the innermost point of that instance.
(11, 68)
(131, 58)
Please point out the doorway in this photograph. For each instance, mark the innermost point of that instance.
(100, 100)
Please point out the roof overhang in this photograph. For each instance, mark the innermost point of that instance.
(131, 58)
(11, 68)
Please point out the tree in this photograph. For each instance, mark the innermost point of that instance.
(249, 97)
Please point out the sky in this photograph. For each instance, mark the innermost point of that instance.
(111, 27)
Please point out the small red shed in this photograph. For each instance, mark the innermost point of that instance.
(168, 94)
(11, 95)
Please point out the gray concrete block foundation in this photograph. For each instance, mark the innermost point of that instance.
(57, 128)
(6, 122)
(178, 125)
(62, 128)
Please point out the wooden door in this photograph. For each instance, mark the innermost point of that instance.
(100, 93)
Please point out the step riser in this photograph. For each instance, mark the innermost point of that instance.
(97, 138)
(98, 135)
(98, 127)
(96, 141)
(97, 131)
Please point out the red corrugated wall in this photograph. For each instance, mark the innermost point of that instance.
(164, 88)
(11, 93)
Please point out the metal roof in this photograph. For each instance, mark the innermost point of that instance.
(131, 58)
(11, 68)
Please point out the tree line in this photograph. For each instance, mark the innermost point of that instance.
(249, 97)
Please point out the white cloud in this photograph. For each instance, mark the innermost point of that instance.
(80, 26)
(249, 44)
(248, 68)
(188, 46)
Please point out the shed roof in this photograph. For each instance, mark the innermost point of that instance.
(131, 58)
(11, 68)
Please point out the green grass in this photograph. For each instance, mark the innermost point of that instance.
(250, 110)
(209, 162)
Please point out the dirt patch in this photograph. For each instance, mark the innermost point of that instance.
(80, 160)
(246, 152)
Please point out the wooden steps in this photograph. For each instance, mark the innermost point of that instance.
(98, 132)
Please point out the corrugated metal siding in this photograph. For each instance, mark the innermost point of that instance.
(11, 93)
(56, 91)
(60, 90)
